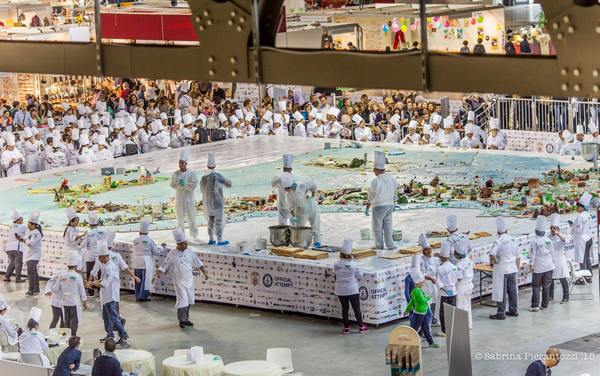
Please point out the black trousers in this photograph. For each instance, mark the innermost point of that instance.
(541, 281)
(57, 317)
(89, 265)
(15, 264)
(565, 288)
(510, 295)
(33, 276)
(587, 256)
(346, 301)
(445, 299)
(183, 314)
(71, 319)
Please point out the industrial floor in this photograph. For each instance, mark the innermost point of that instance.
(318, 347)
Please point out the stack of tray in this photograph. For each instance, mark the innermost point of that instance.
(286, 251)
(360, 253)
(311, 255)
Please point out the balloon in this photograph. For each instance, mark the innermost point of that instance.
(386, 28)
(395, 28)
(480, 19)
(447, 24)
(404, 28)
(428, 19)
(436, 18)
(413, 27)
(438, 25)
(473, 21)
(429, 25)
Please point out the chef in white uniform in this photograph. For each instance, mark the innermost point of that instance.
(70, 285)
(561, 263)
(445, 279)
(213, 200)
(435, 133)
(15, 246)
(279, 128)
(429, 265)
(184, 182)
(31, 341)
(361, 132)
(103, 153)
(412, 138)
(506, 261)
(282, 204)
(541, 265)
(32, 153)
(144, 250)
(33, 254)
(470, 141)
(382, 197)
(85, 155)
(464, 286)
(303, 205)
(496, 140)
(447, 138)
(575, 147)
(582, 233)
(7, 326)
(89, 244)
(73, 238)
(393, 131)
(300, 127)
(594, 135)
(12, 157)
(266, 123)
(181, 262)
(455, 237)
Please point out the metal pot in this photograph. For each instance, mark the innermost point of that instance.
(279, 235)
(301, 237)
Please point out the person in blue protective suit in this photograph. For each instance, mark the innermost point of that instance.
(213, 201)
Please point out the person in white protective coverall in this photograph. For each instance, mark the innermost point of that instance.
(382, 198)
(282, 205)
(213, 201)
(582, 234)
(185, 182)
(303, 205)
(505, 260)
(464, 286)
(181, 262)
(144, 250)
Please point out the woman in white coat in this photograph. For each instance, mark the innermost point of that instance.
(73, 238)
(34, 252)
(12, 158)
(561, 264)
(31, 341)
(464, 286)
(347, 276)
(32, 154)
(181, 262)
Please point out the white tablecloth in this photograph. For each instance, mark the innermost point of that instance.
(180, 366)
(130, 359)
(252, 368)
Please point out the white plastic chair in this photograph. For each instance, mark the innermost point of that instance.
(580, 275)
(13, 356)
(33, 359)
(181, 352)
(282, 357)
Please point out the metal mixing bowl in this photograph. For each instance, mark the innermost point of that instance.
(301, 237)
(279, 235)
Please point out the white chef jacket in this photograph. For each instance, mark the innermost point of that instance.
(181, 264)
(34, 245)
(90, 243)
(581, 226)
(281, 131)
(32, 342)
(347, 276)
(332, 130)
(363, 134)
(300, 130)
(10, 156)
(110, 283)
(429, 266)
(393, 136)
(561, 263)
(383, 190)
(506, 252)
(7, 327)
(471, 143)
(498, 141)
(464, 267)
(119, 264)
(446, 278)
(143, 247)
(12, 244)
(69, 284)
(56, 299)
(411, 139)
(541, 254)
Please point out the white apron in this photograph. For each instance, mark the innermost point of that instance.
(149, 261)
(79, 309)
(561, 266)
(184, 291)
(498, 281)
(579, 242)
(464, 291)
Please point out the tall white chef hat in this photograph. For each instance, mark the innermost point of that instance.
(202, 118)
(222, 117)
(426, 129)
(555, 220)
(415, 261)
(179, 235)
(379, 160)
(140, 122)
(35, 314)
(164, 116)
(212, 160)
(80, 108)
(95, 119)
(452, 223)
(437, 119)
(144, 226)
(462, 246)
(333, 111)
(541, 223)
(102, 140)
(188, 119)
(27, 133)
(448, 122)
(278, 119)
(103, 248)
(184, 155)
(282, 105)
(100, 106)
(445, 249)
(347, 247)
(471, 116)
(239, 113)
(357, 119)
(110, 239)
(71, 214)
(155, 126)
(567, 135)
(287, 180)
(84, 140)
(73, 259)
(585, 199)
(267, 116)
(34, 217)
(423, 241)
(50, 122)
(494, 123)
(249, 116)
(298, 116)
(65, 106)
(10, 139)
(177, 113)
(501, 227)
(80, 123)
(15, 215)
(395, 120)
(412, 124)
(579, 129)
(234, 119)
(417, 275)
(93, 217)
(288, 160)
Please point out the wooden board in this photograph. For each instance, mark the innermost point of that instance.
(412, 250)
(437, 234)
(311, 255)
(395, 256)
(436, 245)
(363, 253)
(286, 251)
